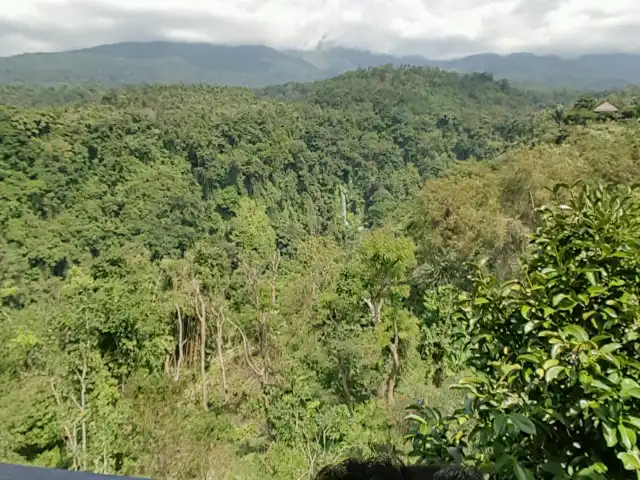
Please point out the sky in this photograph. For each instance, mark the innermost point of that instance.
(433, 28)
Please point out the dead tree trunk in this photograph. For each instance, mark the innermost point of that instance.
(201, 311)
(260, 372)
(180, 343)
(375, 307)
(395, 365)
(70, 429)
(220, 321)
(82, 377)
(275, 263)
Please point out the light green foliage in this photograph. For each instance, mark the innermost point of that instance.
(554, 386)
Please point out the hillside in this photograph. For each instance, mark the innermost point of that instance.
(258, 66)
(217, 282)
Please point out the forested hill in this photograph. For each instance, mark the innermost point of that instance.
(209, 282)
(259, 65)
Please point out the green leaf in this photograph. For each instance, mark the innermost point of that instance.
(552, 362)
(597, 290)
(610, 435)
(629, 388)
(524, 311)
(499, 424)
(635, 421)
(610, 348)
(521, 472)
(627, 437)
(554, 468)
(455, 454)
(558, 298)
(416, 418)
(510, 367)
(530, 357)
(502, 462)
(594, 472)
(552, 373)
(576, 331)
(522, 423)
(600, 385)
(591, 276)
(631, 461)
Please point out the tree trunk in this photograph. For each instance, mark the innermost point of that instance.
(202, 315)
(346, 391)
(395, 366)
(180, 343)
(83, 406)
(274, 275)
(220, 319)
(375, 307)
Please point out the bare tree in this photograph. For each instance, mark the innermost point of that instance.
(395, 364)
(221, 318)
(181, 342)
(201, 312)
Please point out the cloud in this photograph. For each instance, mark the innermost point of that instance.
(433, 28)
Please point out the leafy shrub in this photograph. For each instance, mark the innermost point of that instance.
(555, 384)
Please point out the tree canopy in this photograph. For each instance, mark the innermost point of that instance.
(219, 282)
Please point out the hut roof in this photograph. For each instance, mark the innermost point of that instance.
(605, 107)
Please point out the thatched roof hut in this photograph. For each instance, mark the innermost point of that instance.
(606, 107)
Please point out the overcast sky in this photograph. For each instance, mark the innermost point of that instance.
(433, 28)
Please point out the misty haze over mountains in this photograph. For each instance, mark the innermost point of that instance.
(258, 65)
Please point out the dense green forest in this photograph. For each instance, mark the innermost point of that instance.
(259, 65)
(221, 283)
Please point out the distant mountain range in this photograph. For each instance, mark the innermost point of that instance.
(258, 65)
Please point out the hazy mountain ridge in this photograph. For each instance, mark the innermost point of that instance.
(259, 65)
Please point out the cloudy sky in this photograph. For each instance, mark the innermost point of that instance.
(433, 28)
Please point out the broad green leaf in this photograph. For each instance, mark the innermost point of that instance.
(508, 368)
(558, 298)
(631, 461)
(627, 436)
(594, 472)
(521, 472)
(610, 348)
(553, 372)
(596, 290)
(499, 424)
(629, 388)
(552, 362)
(455, 454)
(554, 468)
(610, 435)
(522, 423)
(576, 331)
(529, 357)
(600, 385)
(591, 276)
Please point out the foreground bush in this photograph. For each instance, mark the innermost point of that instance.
(554, 390)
